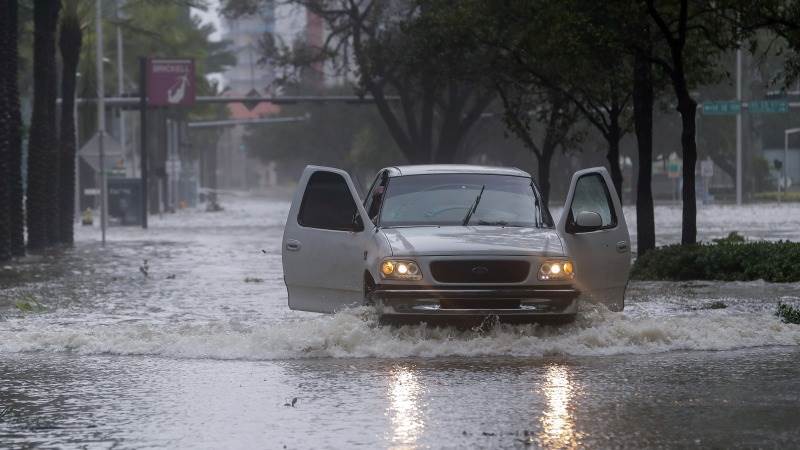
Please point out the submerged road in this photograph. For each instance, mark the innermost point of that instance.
(195, 348)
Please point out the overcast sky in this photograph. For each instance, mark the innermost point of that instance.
(211, 15)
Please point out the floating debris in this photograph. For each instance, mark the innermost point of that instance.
(715, 305)
(145, 269)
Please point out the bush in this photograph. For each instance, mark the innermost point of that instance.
(791, 196)
(788, 314)
(729, 259)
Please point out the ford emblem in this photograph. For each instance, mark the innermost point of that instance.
(480, 270)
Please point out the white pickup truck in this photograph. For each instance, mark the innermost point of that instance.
(454, 240)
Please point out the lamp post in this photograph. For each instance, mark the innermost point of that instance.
(101, 123)
(121, 85)
(786, 134)
(739, 127)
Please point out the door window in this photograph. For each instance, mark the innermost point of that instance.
(591, 194)
(328, 204)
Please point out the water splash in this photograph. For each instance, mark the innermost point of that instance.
(356, 333)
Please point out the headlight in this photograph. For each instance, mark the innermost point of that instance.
(556, 270)
(395, 269)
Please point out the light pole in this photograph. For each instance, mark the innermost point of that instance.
(77, 161)
(101, 122)
(786, 134)
(739, 127)
(121, 85)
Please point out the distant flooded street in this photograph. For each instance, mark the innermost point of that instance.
(181, 335)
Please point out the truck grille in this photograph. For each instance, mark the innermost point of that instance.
(490, 303)
(497, 271)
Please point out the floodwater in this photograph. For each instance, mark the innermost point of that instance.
(202, 352)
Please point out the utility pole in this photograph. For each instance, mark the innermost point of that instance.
(739, 127)
(121, 85)
(143, 136)
(786, 134)
(101, 123)
(77, 161)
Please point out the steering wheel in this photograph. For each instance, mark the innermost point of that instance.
(434, 213)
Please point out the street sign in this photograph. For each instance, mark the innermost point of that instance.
(170, 82)
(112, 153)
(768, 106)
(706, 168)
(721, 108)
(252, 104)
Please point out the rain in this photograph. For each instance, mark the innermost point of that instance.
(232, 243)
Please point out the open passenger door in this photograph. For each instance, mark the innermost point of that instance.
(595, 233)
(324, 242)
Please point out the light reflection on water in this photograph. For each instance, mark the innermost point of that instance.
(558, 422)
(405, 409)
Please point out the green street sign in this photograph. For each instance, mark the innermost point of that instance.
(721, 108)
(768, 106)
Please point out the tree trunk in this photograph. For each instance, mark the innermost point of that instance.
(614, 136)
(53, 159)
(5, 147)
(42, 133)
(543, 173)
(70, 45)
(643, 122)
(688, 109)
(16, 210)
(450, 138)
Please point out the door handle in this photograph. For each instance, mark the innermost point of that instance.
(293, 245)
(622, 246)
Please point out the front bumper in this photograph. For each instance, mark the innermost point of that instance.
(476, 301)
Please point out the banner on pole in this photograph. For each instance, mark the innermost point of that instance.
(170, 82)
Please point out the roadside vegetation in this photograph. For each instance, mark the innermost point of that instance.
(777, 196)
(728, 259)
(788, 313)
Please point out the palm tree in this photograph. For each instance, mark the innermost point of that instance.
(15, 206)
(70, 41)
(42, 143)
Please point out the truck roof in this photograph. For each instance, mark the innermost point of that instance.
(430, 169)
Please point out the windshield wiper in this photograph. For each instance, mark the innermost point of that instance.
(472, 208)
(497, 223)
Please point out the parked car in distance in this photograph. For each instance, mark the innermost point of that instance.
(454, 241)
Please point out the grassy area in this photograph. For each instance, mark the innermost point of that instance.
(791, 196)
(729, 259)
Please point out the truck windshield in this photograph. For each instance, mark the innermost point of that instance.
(456, 199)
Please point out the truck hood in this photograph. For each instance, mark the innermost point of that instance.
(481, 240)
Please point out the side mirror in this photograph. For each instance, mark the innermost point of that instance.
(588, 221)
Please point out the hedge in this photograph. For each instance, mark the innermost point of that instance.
(729, 259)
(791, 196)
